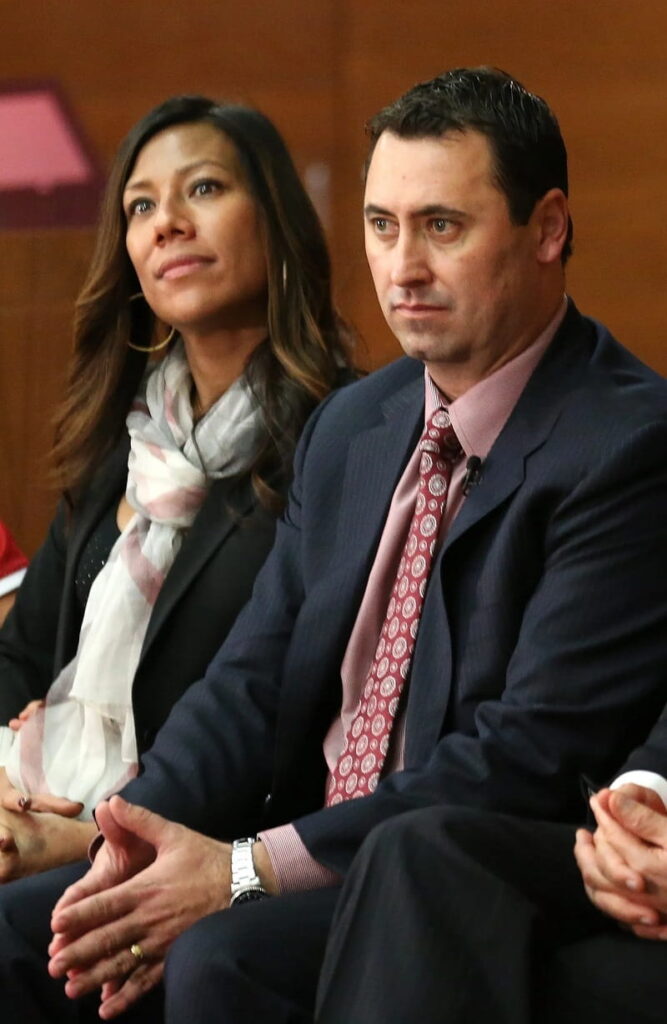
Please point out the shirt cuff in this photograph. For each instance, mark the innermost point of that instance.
(651, 780)
(8, 584)
(295, 869)
(7, 737)
(95, 846)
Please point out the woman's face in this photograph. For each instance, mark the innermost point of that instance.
(194, 234)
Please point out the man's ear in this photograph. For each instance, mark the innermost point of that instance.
(550, 217)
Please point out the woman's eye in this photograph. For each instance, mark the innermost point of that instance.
(205, 188)
(139, 206)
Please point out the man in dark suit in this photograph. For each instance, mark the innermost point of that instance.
(461, 589)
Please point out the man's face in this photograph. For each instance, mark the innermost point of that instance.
(456, 279)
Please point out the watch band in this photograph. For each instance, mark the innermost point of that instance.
(245, 885)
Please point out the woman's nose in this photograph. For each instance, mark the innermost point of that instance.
(171, 219)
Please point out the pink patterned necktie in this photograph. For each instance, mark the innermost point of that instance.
(359, 766)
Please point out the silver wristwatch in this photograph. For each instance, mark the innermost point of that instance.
(246, 885)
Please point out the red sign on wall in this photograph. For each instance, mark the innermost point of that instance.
(48, 174)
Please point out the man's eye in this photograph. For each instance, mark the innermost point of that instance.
(381, 224)
(440, 225)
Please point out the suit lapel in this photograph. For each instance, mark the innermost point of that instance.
(528, 428)
(105, 491)
(374, 465)
(226, 502)
(529, 425)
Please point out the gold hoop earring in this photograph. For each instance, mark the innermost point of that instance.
(153, 348)
(150, 348)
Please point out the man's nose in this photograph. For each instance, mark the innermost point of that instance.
(410, 264)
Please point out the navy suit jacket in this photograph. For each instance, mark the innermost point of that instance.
(542, 650)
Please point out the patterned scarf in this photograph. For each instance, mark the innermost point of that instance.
(82, 744)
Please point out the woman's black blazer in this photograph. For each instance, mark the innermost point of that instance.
(206, 587)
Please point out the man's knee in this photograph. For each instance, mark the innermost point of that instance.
(397, 838)
(216, 946)
(254, 962)
(26, 904)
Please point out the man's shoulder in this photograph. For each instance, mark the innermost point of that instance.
(609, 376)
(364, 400)
(594, 402)
(609, 355)
(611, 348)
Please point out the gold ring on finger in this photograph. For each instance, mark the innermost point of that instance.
(136, 951)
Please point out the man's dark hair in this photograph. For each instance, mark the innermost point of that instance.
(529, 154)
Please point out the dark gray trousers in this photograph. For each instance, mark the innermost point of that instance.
(450, 916)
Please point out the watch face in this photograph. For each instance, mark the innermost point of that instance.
(250, 895)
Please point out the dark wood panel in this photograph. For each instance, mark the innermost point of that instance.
(601, 67)
(38, 284)
(115, 61)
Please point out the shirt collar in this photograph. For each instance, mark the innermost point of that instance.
(481, 412)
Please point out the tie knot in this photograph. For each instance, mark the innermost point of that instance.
(440, 438)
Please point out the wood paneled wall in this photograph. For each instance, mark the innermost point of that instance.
(320, 68)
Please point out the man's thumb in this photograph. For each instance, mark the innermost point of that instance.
(638, 818)
(139, 820)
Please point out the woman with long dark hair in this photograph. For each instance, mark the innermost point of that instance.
(204, 336)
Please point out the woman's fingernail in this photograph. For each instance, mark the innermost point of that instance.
(24, 803)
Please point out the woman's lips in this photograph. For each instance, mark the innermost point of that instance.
(180, 267)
